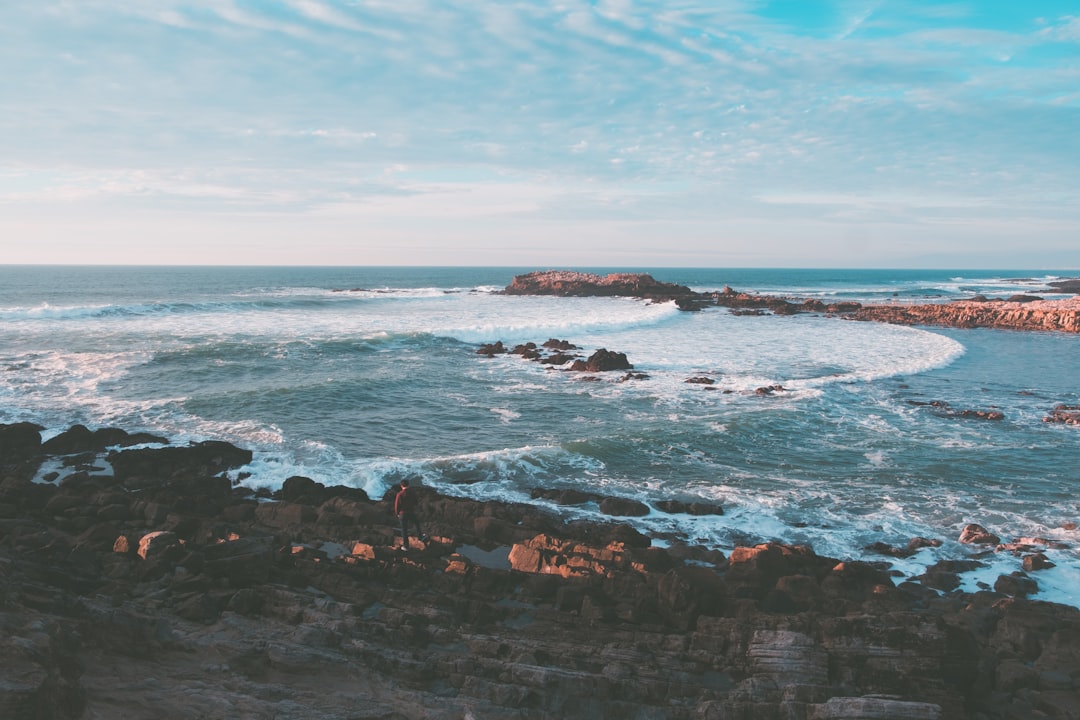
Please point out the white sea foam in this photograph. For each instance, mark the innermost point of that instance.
(506, 415)
(837, 460)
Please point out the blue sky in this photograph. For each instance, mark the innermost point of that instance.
(617, 133)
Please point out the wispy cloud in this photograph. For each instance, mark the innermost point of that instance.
(301, 105)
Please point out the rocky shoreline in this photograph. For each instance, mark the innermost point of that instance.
(141, 580)
(1020, 312)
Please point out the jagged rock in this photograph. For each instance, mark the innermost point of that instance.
(1053, 315)
(209, 457)
(623, 507)
(154, 545)
(565, 496)
(243, 561)
(590, 620)
(568, 283)
(1016, 584)
(603, 360)
(974, 534)
(557, 359)
(284, 515)
(690, 508)
(79, 438)
(1064, 414)
(19, 441)
(1036, 561)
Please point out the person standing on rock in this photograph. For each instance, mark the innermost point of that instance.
(405, 508)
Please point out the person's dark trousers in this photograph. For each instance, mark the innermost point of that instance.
(406, 520)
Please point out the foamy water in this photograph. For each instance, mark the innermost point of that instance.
(362, 377)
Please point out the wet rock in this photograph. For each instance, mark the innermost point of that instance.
(19, 441)
(80, 439)
(602, 360)
(208, 458)
(1022, 314)
(1036, 561)
(565, 496)
(1016, 584)
(566, 283)
(974, 534)
(696, 508)
(623, 507)
(1064, 414)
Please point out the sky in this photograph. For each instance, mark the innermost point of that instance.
(565, 133)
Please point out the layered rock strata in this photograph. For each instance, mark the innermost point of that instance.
(167, 591)
(1038, 315)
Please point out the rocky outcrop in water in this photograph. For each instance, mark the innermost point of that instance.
(1022, 312)
(567, 283)
(1052, 315)
(170, 592)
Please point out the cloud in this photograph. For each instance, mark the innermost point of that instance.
(301, 105)
(1065, 29)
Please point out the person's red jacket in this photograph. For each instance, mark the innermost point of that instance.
(404, 502)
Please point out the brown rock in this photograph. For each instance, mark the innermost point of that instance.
(974, 534)
(154, 545)
(1016, 585)
(623, 507)
(603, 360)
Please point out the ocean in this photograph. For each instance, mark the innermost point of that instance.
(363, 376)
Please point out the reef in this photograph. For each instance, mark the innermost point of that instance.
(1020, 312)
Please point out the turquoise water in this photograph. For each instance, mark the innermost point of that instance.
(364, 375)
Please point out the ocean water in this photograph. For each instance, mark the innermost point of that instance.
(362, 376)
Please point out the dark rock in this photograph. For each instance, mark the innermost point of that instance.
(975, 534)
(623, 507)
(492, 349)
(1064, 414)
(1068, 286)
(690, 508)
(80, 439)
(590, 620)
(208, 457)
(19, 441)
(300, 489)
(557, 359)
(567, 283)
(603, 360)
(565, 496)
(1016, 584)
(1036, 561)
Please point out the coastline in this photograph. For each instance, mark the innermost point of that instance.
(296, 604)
(1022, 312)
